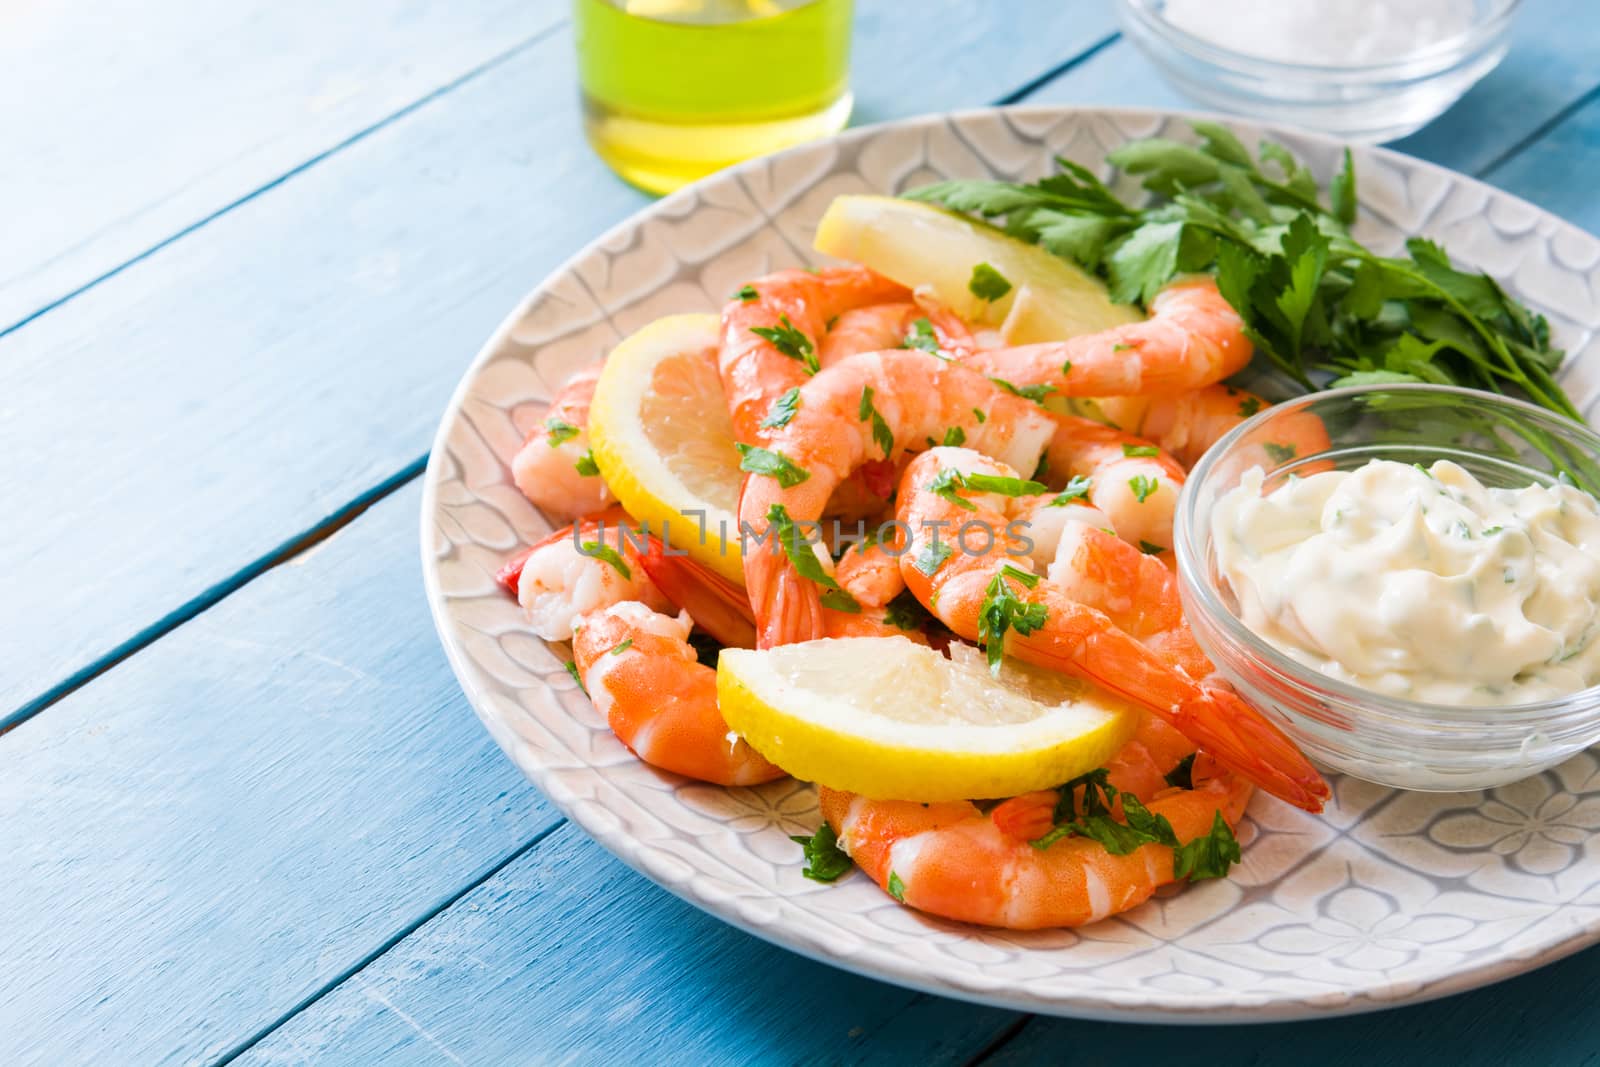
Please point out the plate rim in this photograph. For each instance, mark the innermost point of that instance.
(779, 930)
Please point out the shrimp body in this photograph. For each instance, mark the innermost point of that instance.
(1184, 424)
(642, 675)
(1192, 338)
(1131, 481)
(884, 326)
(870, 574)
(1072, 637)
(915, 396)
(545, 468)
(563, 577)
(755, 368)
(954, 861)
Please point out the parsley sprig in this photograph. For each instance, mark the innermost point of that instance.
(791, 342)
(805, 562)
(1318, 305)
(1004, 610)
(825, 860)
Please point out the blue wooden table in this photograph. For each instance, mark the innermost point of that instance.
(246, 250)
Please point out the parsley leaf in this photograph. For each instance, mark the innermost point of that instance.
(745, 293)
(790, 342)
(945, 484)
(586, 465)
(1035, 393)
(1132, 451)
(978, 414)
(955, 437)
(606, 554)
(987, 283)
(572, 669)
(758, 460)
(1182, 776)
(994, 483)
(1278, 453)
(1002, 610)
(560, 431)
(932, 556)
(1077, 489)
(825, 860)
(921, 336)
(882, 436)
(1150, 548)
(783, 409)
(905, 612)
(1143, 486)
(1209, 856)
(897, 888)
(627, 643)
(805, 561)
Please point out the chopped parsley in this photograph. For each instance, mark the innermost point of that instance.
(805, 561)
(932, 556)
(627, 643)
(978, 414)
(1209, 856)
(825, 860)
(1077, 489)
(745, 293)
(897, 888)
(987, 283)
(1035, 393)
(945, 484)
(606, 554)
(1140, 451)
(955, 437)
(1143, 486)
(1182, 776)
(572, 669)
(757, 460)
(905, 612)
(783, 409)
(921, 336)
(1150, 548)
(1002, 610)
(1282, 453)
(559, 431)
(882, 436)
(993, 483)
(586, 465)
(1249, 406)
(790, 342)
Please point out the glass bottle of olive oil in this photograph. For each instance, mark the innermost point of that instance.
(675, 89)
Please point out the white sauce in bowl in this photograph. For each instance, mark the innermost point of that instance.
(1424, 585)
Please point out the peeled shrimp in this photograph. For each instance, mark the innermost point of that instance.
(642, 674)
(545, 468)
(952, 860)
(1131, 481)
(916, 396)
(1073, 638)
(1183, 424)
(563, 576)
(884, 326)
(1192, 338)
(755, 370)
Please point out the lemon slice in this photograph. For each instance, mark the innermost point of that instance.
(918, 244)
(662, 439)
(894, 720)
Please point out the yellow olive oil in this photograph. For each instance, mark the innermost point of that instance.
(675, 89)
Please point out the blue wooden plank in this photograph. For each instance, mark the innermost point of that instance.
(1554, 170)
(1542, 1018)
(142, 119)
(239, 386)
(241, 815)
(566, 956)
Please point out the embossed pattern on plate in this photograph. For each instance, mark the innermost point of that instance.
(1387, 899)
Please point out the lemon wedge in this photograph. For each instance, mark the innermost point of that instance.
(894, 720)
(918, 244)
(660, 433)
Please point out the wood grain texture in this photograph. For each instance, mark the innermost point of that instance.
(566, 956)
(1555, 170)
(1541, 1018)
(205, 838)
(144, 118)
(239, 386)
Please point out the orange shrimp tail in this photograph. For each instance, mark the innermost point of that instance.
(787, 607)
(1240, 739)
(716, 605)
(1028, 817)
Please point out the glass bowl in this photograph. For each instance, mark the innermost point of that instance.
(1377, 99)
(1377, 737)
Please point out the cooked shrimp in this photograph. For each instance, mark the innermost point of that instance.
(1131, 481)
(545, 468)
(870, 573)
(1135, 591)
(1192, 338)
(885, 326)
(1183, 424)
(757, 369)
(914, 396)
(642, 674)
(581, 568)
(952, 860)
(956, 578)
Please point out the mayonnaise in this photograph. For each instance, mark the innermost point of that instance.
(1420, 584)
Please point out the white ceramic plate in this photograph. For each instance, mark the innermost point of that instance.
(1388, 898)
